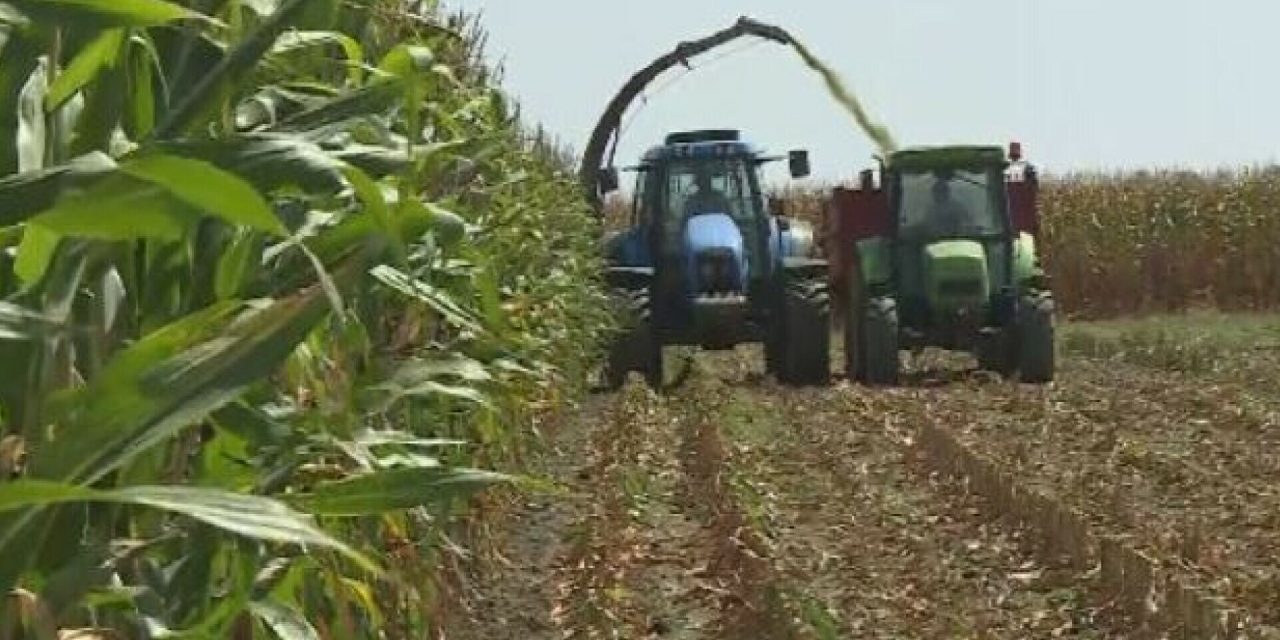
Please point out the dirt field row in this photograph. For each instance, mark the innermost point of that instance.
(1183, 468)
(732, 507)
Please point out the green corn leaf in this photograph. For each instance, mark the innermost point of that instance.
(428, 388)
(252, 424)
(25, 194)
(395, 489)
(101, 52)
(20, 323)
(375, 97)
(263, 8)
(10, 16)
(374, 160)
(156, 196)
(35, 252)
(293, 41)
(238, 63)
(407, 59)
(31, 133)
(171, 378)
(183, 57)
(375, 206)
(423, 378)
(31, 493)
(103, 103)
(118, 207)
(412, 219)
(251, 516)
(285, 622)
(458, 367)
(100, 13)
(374, 438)
(268, 161)
(168, 380)
(208, 188)
(433, 297)
(139, 115)
(326, 282)
(242, 258)
(19, 54)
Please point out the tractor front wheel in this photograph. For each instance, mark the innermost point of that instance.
(801, 353)
(637, 348)
(1035, 339)
(998, 353)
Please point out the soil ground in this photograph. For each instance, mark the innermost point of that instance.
(732, 507)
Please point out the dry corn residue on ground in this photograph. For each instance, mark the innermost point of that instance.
(732, 507)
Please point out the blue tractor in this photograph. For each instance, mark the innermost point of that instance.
(705, 261)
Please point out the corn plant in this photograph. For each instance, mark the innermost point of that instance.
(1163, 241)
(277, 278)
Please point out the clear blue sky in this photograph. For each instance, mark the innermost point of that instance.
(1087, 84)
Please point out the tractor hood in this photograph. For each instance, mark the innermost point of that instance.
(714, 248)
(955, 275)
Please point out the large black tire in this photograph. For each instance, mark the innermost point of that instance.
(999, 353)
(774, 341)
(803, 355)
(1036, 339)
(878, 342)
(855, 365)
(636, 348)
(855, 362)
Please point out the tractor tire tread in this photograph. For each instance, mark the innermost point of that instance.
(1036, 352)
(803, 350)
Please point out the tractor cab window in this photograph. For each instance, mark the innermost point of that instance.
(641, 206)
(951, 203)
(710, 186)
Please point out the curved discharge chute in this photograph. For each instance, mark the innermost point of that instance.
(606, 129)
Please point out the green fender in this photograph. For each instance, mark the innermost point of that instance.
(1027, 272)
(875, 260)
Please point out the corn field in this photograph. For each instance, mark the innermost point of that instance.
(283, 283)
(1148, 241)
(1152, 242)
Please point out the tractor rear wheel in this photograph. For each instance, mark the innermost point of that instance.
(802, 355)
(1036, 338)
(998, 353)
(637, 348)
(774, 341)
(878, 342)
(855, 360)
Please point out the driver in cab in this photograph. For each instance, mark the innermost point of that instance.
(949, 215)
(706, 198)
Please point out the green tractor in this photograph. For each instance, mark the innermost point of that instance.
(942, 253)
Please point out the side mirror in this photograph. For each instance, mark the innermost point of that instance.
(799, 163)
(608, 179)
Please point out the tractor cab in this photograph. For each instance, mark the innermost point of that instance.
(702, 196)
(951, 241)
(700, 219)
(942, 254)
(705, 257)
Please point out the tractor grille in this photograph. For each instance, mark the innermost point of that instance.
(716, 272)
(960, 288)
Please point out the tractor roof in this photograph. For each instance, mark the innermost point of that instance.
(710, 143)
(944, 157)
